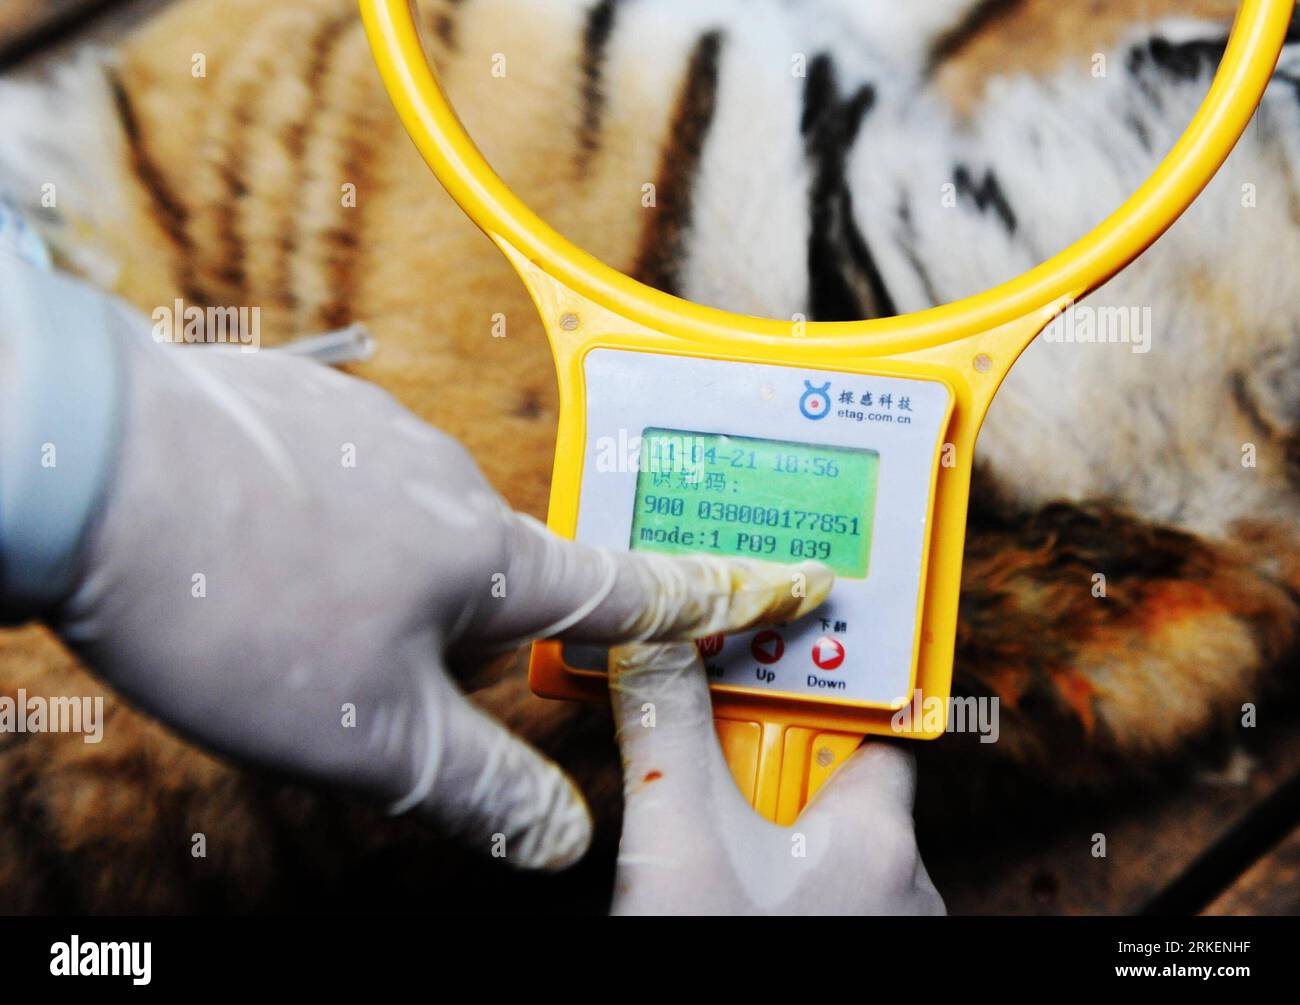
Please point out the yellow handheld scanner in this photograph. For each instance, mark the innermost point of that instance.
(850, 443)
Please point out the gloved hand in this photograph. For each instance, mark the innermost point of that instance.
(283, 555)
(692, 844)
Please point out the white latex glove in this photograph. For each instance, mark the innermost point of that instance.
(692, 844)
(283, 555)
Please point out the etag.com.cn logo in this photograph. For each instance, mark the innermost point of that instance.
(816, 400)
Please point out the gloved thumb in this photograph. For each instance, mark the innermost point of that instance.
(878, 780)
(663, 716)
(494, 792)
(867, 806)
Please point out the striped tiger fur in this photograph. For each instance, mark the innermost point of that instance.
(829, 158)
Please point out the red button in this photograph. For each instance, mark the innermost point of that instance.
(828, 653)
(710, 646)
(767, 647)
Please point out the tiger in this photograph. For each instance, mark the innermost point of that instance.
(827, 159)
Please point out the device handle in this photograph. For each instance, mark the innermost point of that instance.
(777, 766)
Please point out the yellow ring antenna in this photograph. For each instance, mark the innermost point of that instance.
(1247, 65)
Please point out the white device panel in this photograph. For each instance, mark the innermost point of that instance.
(857, 647)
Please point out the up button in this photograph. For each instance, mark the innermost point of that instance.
(767, 647)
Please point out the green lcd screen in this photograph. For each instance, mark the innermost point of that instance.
(766, 499)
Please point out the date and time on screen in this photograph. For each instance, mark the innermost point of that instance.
(766, 499)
